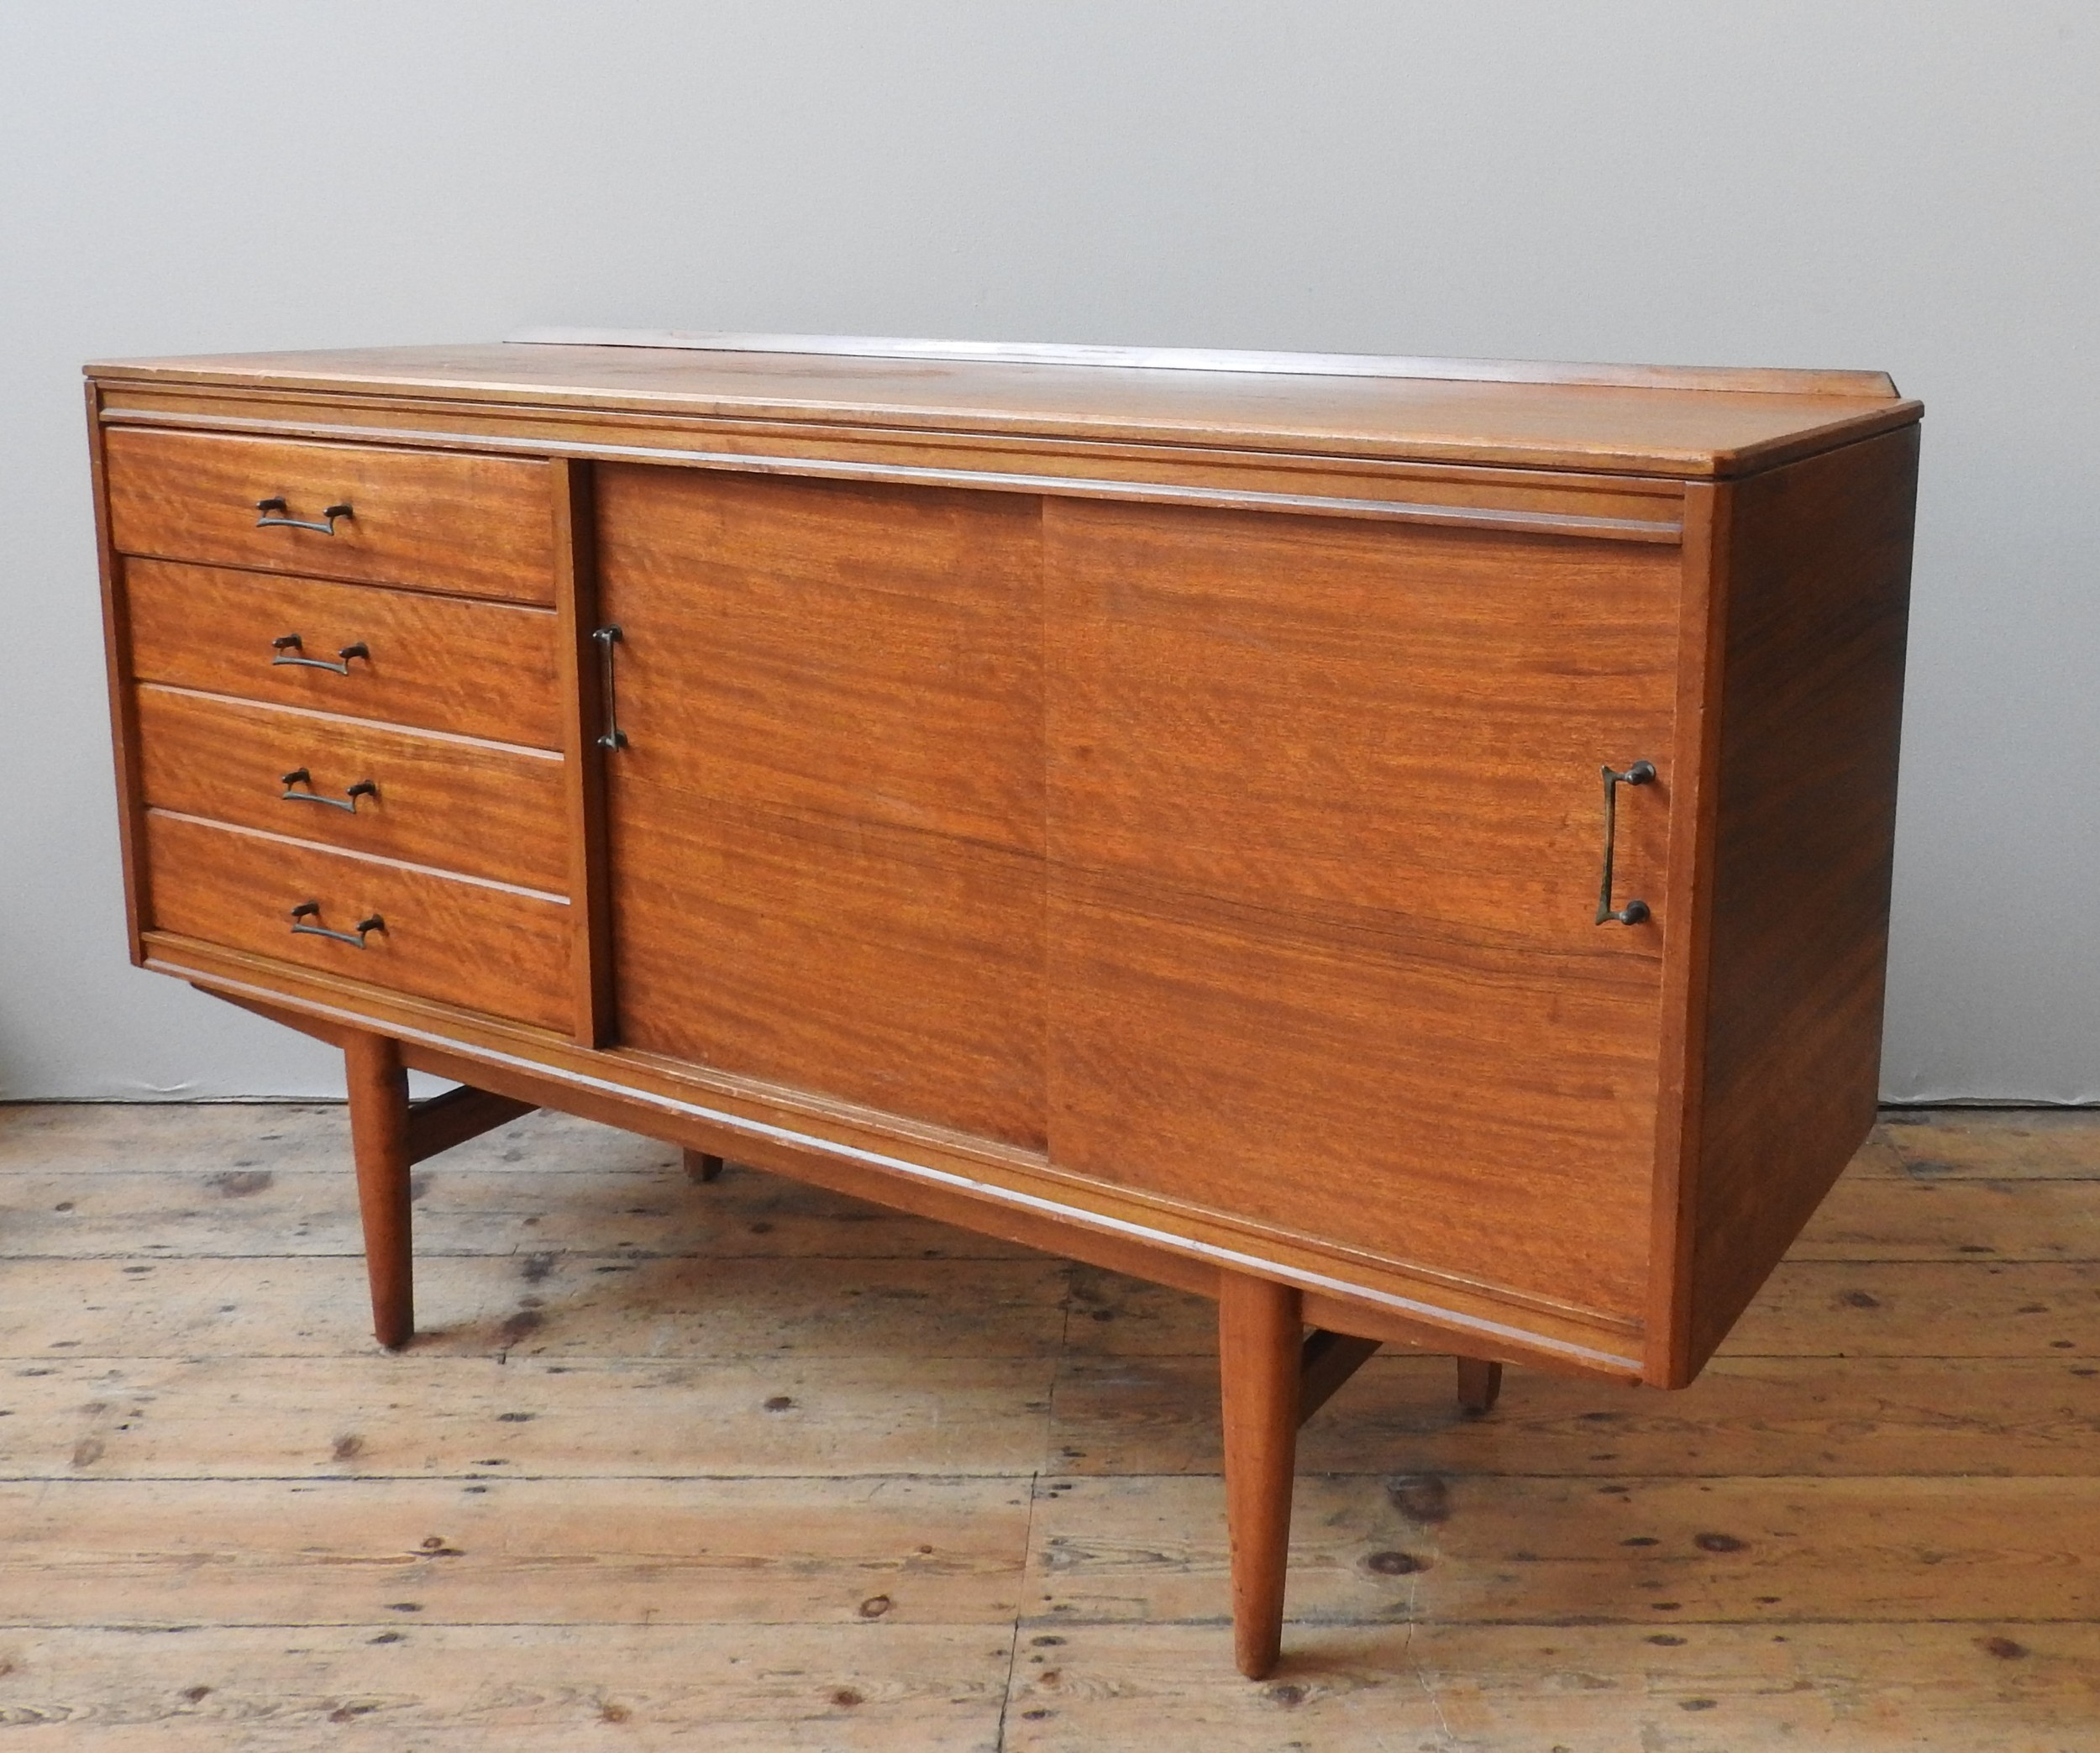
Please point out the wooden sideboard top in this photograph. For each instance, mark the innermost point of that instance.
(1682, 423)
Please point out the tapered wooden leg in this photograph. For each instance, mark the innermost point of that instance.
(1261, 1337)
(1479, 1382)
(379, 1138)
(702, 1167)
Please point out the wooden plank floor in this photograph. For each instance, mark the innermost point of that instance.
(749, 1467)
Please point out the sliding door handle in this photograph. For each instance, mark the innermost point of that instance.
(611, 737)
(1635, 912)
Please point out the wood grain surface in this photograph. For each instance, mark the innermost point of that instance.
(1206, 857)
(478, 1305)
(1804, 843)
(123, 724)
(813, 648)
(378, 1101)
(1480, 1115)
(475, 668)
(899, 969)
(460, 804)
(1325, 830)
(440, 1123)
(1399, 728)
(639, 1551)
(1612, 429)
(1003, 1190)
(752, 1465)
(1363, 1688)
(1971, 1308)
(1547, 1552)
(485, 946)
(464, 525)
(826, 824)
(1236, 866)
(530, 1689)
(1638, 507)
(1951, 1146)
(1260, 1339)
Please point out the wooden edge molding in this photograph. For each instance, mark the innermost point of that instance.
(1541, 522)
(585, 414)
(1876, 385)
(124, 704)
(400, 416)
(1026, 1203)
(1694, 778)
(319, 1027)
(583, 761)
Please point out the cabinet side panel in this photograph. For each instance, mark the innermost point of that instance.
(1812, 706)
(124, 720)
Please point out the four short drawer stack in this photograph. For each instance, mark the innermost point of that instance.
(348, 725)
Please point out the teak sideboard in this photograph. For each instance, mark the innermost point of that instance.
(1400, 847)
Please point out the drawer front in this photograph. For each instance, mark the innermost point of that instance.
(470, 526)
(479, 946)
(476, 668)
(457, 804)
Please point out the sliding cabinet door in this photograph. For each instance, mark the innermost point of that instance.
(825, 826)
(1325, 828)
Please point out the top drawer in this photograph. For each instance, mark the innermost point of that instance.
(471, 525)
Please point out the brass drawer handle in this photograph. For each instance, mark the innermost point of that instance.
(612, 737)
(277, 504)
(312, 909)
(299, 776)
(1635, 912)
(285, 642)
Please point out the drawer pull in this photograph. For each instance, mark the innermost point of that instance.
(266, 522)
(612, 737)
(1635, 912)
(312, 909)
(299, 776)
(289, 643)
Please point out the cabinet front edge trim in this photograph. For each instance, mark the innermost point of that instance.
(1665, 532)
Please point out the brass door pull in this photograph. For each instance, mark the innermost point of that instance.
(277, 504)
(299, 776)
(355, 935)
(1635, 912)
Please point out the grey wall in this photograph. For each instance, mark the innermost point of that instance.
(1910, 187)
